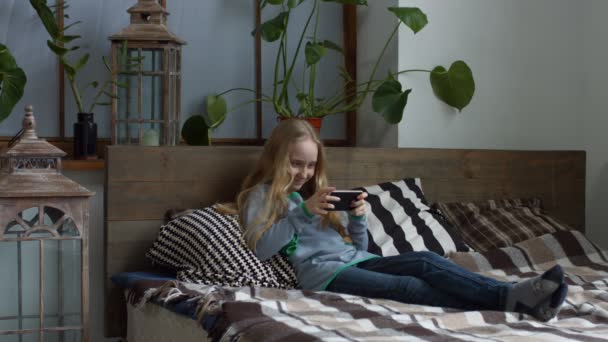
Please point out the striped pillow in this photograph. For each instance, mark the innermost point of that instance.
(401, 221)
(499, 223)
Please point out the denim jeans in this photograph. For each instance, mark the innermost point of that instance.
(423, 278)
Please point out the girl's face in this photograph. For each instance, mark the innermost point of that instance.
(302, 162)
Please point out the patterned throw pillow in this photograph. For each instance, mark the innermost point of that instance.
(499, 223)
(207, 247)
(401, 221)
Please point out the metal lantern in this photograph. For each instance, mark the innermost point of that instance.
(146, 68)
(44, 222)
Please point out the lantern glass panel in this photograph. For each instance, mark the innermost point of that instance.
(121, 133)
(128, 106)
(62, 336)
(62, 300)
(152, 94)
(133, 134)
(68, 228)
(19, 285)
(30, 216)
(152, 59)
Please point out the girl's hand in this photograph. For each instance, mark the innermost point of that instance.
(358, 207)
(318, 203)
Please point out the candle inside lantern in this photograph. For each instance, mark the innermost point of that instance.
(150, 138)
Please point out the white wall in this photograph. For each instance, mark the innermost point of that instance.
(540, 77)
(596, 116)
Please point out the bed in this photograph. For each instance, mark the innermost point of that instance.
(143, 183)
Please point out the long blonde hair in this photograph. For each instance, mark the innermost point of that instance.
(273, 168)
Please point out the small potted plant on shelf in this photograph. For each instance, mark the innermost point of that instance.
(85, 130)
(12, 82)
(454, 86)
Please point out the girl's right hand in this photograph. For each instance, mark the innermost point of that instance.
(318, 203)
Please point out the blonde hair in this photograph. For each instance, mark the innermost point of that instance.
(273, 168)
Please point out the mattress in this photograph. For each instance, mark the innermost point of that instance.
(152, 323)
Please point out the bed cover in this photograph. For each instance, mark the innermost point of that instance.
(264, 314)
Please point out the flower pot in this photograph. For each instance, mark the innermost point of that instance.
(85, 137)
(315, 122)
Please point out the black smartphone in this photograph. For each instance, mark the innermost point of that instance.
(346, 198)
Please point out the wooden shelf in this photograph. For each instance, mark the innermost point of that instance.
(71, 164)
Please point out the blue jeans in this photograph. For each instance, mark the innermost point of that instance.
(423, 278)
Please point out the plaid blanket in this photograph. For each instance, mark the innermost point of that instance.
(264, 314)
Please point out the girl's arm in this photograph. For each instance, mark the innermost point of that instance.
(281, 233)
(357, 228)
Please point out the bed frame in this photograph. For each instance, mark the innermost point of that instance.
(142, 183)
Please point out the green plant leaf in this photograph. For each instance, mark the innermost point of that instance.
(216, 110)
(456, 86)
(103, 103)
(82, 62)
(412, 17)
(272, 29)
(95, 84)
(349, 2)
(68, 68)
(332, 46)
(58, 50)
(67, 39)
(389, 101)
(12, 82)
(275, 2)
(72, 25)
(314, 52)
(47, 17)
(195, 131)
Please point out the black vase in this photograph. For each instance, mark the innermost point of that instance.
(85, 137)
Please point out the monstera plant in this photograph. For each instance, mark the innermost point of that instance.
(12, 82)
(295, 95)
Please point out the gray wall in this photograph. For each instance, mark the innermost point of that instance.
(538, 67)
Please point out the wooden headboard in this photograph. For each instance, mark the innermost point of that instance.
(142, 183)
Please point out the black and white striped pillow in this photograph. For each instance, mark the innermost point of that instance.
(207, 247)
(400, 221)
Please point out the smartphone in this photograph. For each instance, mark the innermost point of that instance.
(346, 198)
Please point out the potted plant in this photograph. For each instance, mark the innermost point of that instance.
(12, 82)
(454, 86)
(85, 130)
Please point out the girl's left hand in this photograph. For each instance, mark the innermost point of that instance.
(358, 207)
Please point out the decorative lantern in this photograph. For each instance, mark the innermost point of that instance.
(146, 64)
(43, 244)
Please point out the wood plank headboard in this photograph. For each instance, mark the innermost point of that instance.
(142, 183)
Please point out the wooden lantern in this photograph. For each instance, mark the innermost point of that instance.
(44, 222)
(146, 64)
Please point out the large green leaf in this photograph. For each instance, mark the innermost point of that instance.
(314, 52)
(12, 82)
(272, 29)
(389, 101)
(412, 17)
(195, 131)
(456, 86)
(47, 17)
(216, 110)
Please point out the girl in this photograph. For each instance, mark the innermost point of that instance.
(284, 207)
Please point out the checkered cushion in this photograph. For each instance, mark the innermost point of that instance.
(207, 247)
(499, 223)
(400, 221)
